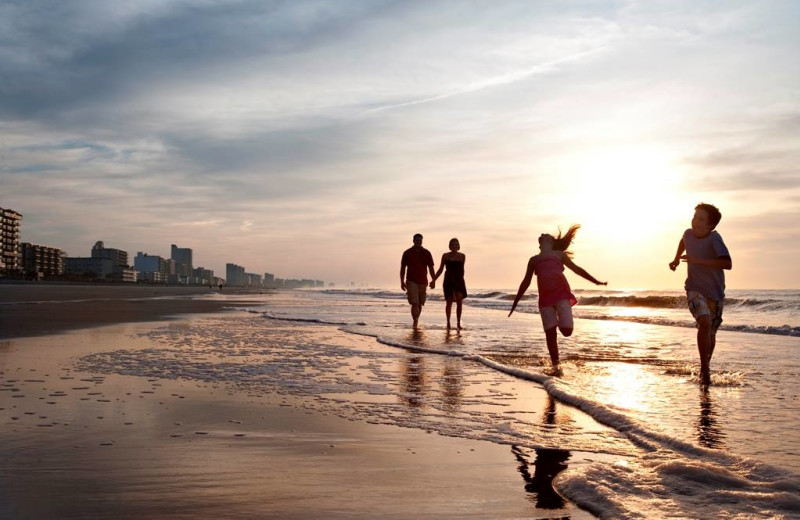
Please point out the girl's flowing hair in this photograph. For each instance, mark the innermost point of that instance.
(562, 242)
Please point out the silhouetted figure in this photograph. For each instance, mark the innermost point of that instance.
(555, 296)
(707, 257)
(416, 259)
(455, 288)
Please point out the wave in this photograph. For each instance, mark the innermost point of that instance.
(775, 330)
(761, 301)
(722, 482)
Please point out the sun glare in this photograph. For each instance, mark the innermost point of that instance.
(622, 192)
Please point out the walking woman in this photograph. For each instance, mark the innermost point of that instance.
(455, 289)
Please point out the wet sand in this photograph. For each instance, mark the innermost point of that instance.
(76, 443)
(35, 309)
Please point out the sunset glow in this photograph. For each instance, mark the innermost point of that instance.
(312, 139)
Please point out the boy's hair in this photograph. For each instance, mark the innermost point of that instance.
(562, 242)
(714, 216)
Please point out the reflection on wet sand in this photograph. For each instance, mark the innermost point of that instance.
(452, 384)
(416, 385)
(413, 381)
(547, 464)
(709, 434)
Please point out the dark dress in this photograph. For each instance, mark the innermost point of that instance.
(454, 279)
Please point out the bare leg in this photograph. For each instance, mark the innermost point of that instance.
(566, 331)
(552, 344)
(459, 306)
(416, 309)
(447, 308)
(705, 347)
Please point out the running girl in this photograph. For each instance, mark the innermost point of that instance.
(555, 297)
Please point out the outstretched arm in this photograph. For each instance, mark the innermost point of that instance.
(681, 248)
(581, 271)
(526, 282)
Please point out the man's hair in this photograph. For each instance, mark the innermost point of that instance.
(714, 216)
(417, 235)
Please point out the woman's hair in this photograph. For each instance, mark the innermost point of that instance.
(562, 242)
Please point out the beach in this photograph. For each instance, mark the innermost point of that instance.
(120, 404)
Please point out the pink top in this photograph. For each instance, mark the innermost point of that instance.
(550, 279)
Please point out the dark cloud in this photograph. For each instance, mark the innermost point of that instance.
(63, 55)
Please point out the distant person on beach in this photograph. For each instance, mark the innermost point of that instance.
(706, 257)
(455, 289)
(415, 261)
(555, 296)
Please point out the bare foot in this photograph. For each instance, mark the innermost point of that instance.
(554, 370)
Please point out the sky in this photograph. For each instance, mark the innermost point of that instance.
(312, 139)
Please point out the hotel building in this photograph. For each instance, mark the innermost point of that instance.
(10, 222)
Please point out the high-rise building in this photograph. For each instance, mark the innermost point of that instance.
(101, 268)
(42, 260)
(152, 268)
(202, 276)
(10, 252)
(235, 276)
(253, 279)
(105, 263)
(118, 257)
(183, 261)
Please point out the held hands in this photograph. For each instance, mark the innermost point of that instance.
(433, 284)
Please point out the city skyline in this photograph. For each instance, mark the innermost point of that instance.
(317, 137)
(184, 253)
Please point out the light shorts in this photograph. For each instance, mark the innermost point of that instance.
(415, 292)
(699, 305)
(559, 314)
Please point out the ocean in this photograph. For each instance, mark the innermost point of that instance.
(677, 450)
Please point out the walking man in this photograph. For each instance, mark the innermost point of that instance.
(415, 260)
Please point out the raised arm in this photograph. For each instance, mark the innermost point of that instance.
(523, 286)
(581, 271)
(681, 248)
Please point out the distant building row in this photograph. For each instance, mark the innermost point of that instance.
(36, 261)
(237, 277)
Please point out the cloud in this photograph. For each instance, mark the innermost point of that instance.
(256, 122)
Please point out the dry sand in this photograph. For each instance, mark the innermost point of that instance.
(77, 444)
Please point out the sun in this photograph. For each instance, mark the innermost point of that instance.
(623, 192)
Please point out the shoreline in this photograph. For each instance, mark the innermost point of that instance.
(144, 446)
(36, 308)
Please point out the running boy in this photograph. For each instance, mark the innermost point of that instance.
(706, 257)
